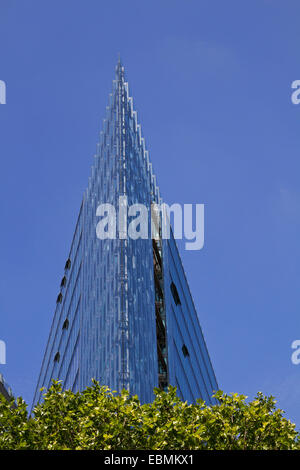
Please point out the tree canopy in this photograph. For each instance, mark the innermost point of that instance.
(98, 418)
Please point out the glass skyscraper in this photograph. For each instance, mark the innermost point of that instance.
(124, 312)
(5, 389)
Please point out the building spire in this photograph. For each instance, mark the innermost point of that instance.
(119, 69)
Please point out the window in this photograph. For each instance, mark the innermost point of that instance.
(68, 264)
(59, 298)
(175, 294)
(63, 282)
(57, 357)
(185, 351)
(66, 324)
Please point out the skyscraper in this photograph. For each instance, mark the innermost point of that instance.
(5, 389)
(124, 313)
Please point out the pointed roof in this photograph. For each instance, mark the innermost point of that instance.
(119, 69)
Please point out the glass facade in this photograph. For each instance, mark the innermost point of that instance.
(124, 313)
(5, 389)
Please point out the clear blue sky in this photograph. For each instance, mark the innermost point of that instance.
(211, 83)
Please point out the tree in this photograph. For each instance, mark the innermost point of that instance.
(99, 418)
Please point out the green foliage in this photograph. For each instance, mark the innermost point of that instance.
(98, 418)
